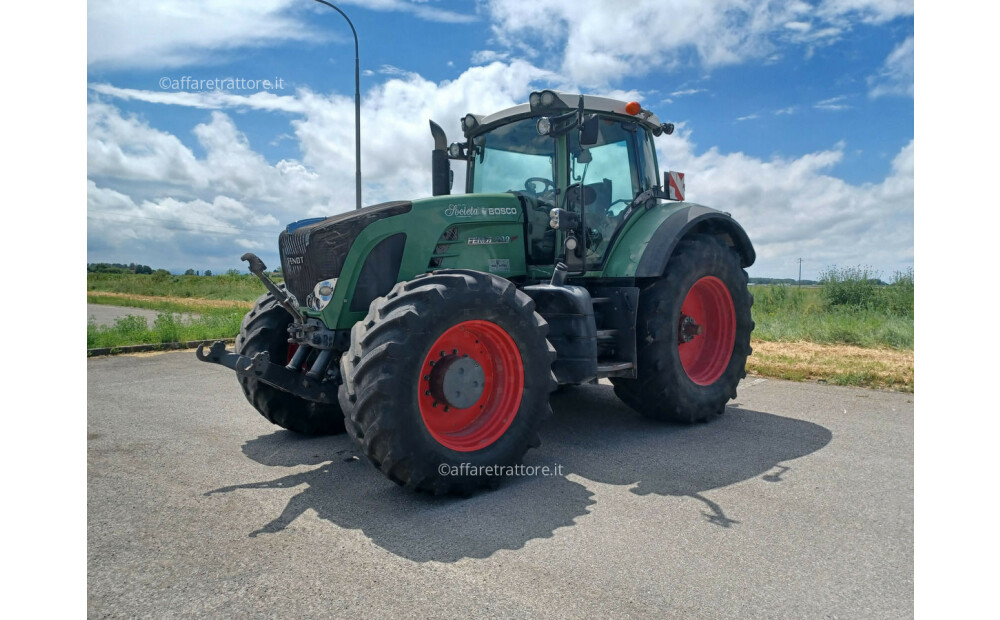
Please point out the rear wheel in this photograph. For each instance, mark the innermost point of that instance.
(447, 381)
(693, 330)
(265, 328)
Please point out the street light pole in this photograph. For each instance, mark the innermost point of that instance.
(357, 107)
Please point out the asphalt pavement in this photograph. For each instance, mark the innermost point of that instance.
(798, 503)
(106, 315)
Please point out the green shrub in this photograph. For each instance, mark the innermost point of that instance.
(167, 328)
(852, 306)
(861, 288)
(852, 287)
(899, 295)
(129, 330)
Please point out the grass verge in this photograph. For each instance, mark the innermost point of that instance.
(791, 314)
(881, 368)
(212, 323)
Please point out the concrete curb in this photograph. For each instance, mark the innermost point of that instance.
(163, 346)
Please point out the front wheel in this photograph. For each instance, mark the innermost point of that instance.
(693, 334)
(265, 328)
(447, 381)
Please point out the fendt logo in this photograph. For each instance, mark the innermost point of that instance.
(295, 260)
(491, 240)
(458, 210)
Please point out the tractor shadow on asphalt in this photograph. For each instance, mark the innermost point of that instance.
(591, 435)
(595, 436)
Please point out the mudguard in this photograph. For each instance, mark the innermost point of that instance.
(645, 246)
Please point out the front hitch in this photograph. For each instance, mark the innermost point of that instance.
(261, 368)
(284, 298)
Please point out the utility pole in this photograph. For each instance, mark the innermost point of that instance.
(357, 108)
(800, 272)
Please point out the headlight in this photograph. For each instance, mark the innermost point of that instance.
(543, 126)
(322, 294)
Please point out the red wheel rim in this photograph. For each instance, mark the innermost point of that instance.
(708, 323)
(481, 347)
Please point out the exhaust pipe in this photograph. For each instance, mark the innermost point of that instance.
(440, 165)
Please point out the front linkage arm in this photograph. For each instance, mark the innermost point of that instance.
(288, 378)
(261, 368)
(287, 301)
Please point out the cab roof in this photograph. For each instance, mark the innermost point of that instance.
(561, 103)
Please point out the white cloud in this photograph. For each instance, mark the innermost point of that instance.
(482, 57)
(834, 104)
(127, 148)
(795, 208)
(748, 117)
(171, 232)
(687, 92)
(418, 8)
(207, 99)
(177, 33)
(596, 41)
(137, 33)
(799, 26)
(896, 75)
(869, 11)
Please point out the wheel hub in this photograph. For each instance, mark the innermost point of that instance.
(689, 329)
(457, 381)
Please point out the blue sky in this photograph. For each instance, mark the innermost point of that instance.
(797, 117)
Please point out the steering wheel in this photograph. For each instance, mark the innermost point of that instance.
(610, 211)
(529, 185)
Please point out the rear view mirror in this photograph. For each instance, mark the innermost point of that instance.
(589, 130)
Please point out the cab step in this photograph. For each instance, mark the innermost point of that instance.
(615, 369)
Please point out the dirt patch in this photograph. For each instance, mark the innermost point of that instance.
(836, 364)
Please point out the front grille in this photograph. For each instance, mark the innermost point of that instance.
(317, 251)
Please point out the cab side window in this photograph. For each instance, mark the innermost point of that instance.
(610, 181)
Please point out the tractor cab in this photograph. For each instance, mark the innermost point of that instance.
(579, 165)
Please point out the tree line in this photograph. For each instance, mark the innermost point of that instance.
(122, 268)
(781, 281)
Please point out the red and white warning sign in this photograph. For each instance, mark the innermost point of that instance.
(675, 185)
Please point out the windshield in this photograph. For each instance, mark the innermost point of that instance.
(507, 157)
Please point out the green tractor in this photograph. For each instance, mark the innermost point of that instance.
(433, 331)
